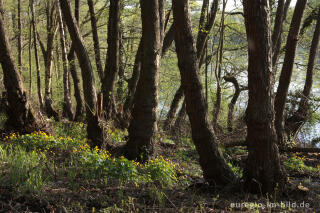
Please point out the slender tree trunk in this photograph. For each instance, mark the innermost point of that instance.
(206, 23)
(36, 55)
(20, 115)
(286, 72)
(73, 70)
(96, 39)
(215, 168)
(143, 125)
(132, 84)
(234, 99)
(112, 63)
(95, 132)
(19, 38)
(173, 108)
(67, 105)
(167, 41)
(48, 60)
(122, 66)
(30, 54)
(294, 123)
(180, 118)
(205, 27)
(281, 15)
(217, 104)
(263, 171)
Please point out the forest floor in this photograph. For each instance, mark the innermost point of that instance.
(60, 173)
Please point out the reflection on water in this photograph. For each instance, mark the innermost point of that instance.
(309, 133)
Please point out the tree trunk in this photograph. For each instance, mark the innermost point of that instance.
(263, 171)
(67, 105)
(20, 115)
(286, 73)
(30, 55)
(19, 38)
(281, 15)
(96, 38)
(48, 60)
(217, 104)
(205, 26)
(132, 84)
(234, 99)
(173, 108)
(206, 23)
(36, 55)
(180, 118)
(122, 67)
(143, 125)
(94, 130)
(112, 63)
(73, 70)
(167, 41)
(294, 123)
(215, 168)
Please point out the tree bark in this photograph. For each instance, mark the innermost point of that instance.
(180, 118)
(281, 15)
(20, 115)
(205, 26)
(286, 72)
(143, 125)
(263, 171)
(112, 63)
(73, 70)
(206, 23)
(217, 104)
(94, 130)
(36, 55)
(19, 38)
(48, 59)
(233, 101)
(96, 38)
(132, 84)
(215, 168)
(173, 108)
(122, 67)
(30, 54)
(294, 123)
(67, 105)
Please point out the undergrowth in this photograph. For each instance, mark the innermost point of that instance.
(32, 161)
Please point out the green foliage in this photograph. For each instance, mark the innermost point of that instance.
(41, 141)
(23, 171)
(117, 135)
(74, 130)
(297, 164)
(32, 159)
(162, 171)
(238, 171)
